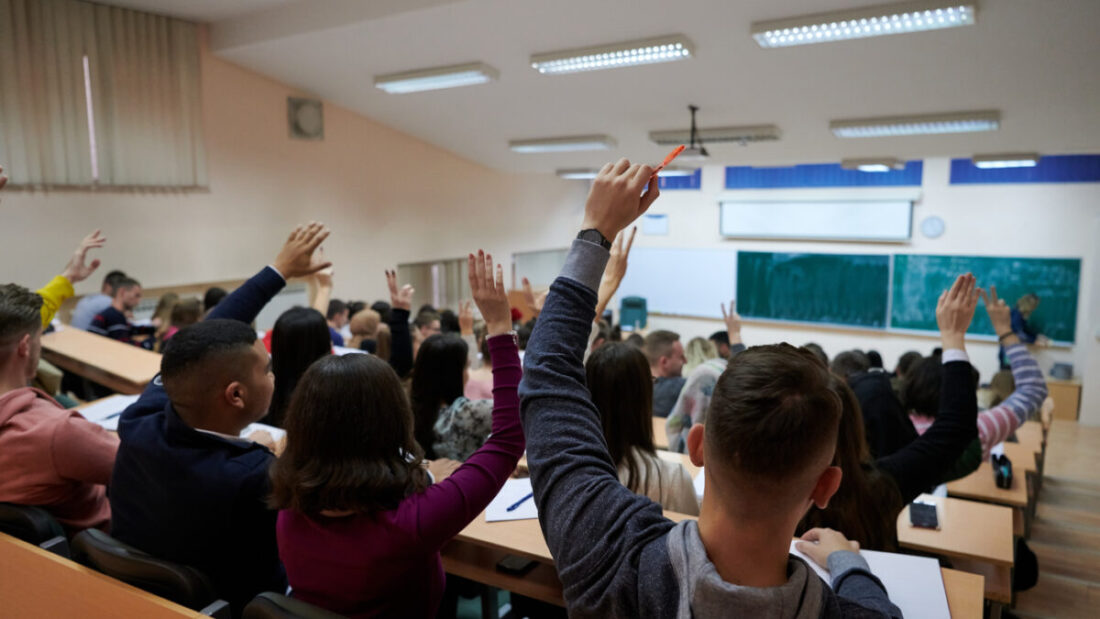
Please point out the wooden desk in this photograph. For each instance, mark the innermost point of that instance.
(660, 436)
(36, 583)
(1024, 457)
(1067, 397)
(979, 486)
(964, 593)
(977, 533)
(1030, 433)
(122, 367)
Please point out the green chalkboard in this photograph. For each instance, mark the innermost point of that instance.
(840, 289)
(919, 280)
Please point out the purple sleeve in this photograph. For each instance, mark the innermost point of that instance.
(444, 509)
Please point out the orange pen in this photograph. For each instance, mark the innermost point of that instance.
(668, 159)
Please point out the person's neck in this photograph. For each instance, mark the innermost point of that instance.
(749, 554)
(656, 372)
(219, 421)
(12, 377)
(118, 305)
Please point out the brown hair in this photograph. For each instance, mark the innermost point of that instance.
(622, 389)
(349, 440)
(772, 413)
(658, 344)
(866, 506)
(165, 305)
(20, 313)
(364, 326)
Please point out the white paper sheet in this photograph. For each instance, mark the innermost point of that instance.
(276, 433)
(509, 495)
(915, 584)
(107, 411)
(343, 350)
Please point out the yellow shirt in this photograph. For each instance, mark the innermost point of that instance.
(53, 295)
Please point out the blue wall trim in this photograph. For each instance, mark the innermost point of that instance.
(695, 181)
(821, 175)
(1051, 169)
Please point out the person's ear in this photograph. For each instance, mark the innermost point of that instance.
(826, 486)
(235, 394)
(695, 444)
(23, 349)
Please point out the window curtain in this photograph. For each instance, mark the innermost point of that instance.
(441, 283)
(145, 96)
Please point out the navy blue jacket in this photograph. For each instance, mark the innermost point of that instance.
(194, 497)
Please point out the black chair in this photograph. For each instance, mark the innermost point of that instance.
(179, 583)
(275, 606)
(33, 525)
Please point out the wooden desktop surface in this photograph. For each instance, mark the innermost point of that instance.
(36, 583)
(122, 367)
(968, 529)
(980, 486)
(1030, 434)
(660, 436)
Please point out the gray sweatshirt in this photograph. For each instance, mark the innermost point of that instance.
(616, 553)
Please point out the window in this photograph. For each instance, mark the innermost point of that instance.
(441, 283)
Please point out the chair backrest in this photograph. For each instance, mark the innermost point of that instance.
(33, 525)
(179, 583)
(275, 606)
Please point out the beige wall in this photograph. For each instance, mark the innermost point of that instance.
(388, 197)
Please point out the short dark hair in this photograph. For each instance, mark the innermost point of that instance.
(350, 441)
(773, 413)
(383, 310)
(720, 337)
(354, 307)
(186, 312)
(818, 352)
(448, 322)
(874, 359)
(436, 382)
(112, 279)
(636, 340)
(335, 308)
(300, 337)
(621, 385)
(425, 318)
(213, 296)
(920, 391)
(906, 361)
(427, 307)
(850, 362)
(126, 283)
(20, 313)
(210, 349)
(658, 344)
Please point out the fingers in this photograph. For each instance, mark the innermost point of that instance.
(649, 196)
(294, 233)
(500, 278)
(391, 281)
(95, 264)
(606, 169)
(480, 269)
(993, 296)
(630, 241)
(725, 316)
(471, 274)
(985, 298)
(316, 236)
(489, 283)
(812, 535)
(620, 166)
(320, 266)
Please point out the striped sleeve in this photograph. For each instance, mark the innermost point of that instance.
(997, 423)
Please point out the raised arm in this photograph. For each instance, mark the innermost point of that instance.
(77, 270)
(401, 348)
(446, 508)
(320, 287)
(920, 465)
(615, 272)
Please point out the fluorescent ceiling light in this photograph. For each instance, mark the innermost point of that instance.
(579, 174)
(561, 145)
(741, 135)
(677, 171)
(879, 164)
(614, 56)
(437, 78)
(872, 21)
(961, 122)
(1006, 160)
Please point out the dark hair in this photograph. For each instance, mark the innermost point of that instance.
(616, 334)
(354, 307)
(622, 389)
(383, 310)
(523, 334)
(448, 322)
(20, 313)
(636, 340)
(212, 297)
(874, 359)
(818, 352)
(426, 308)
(866, 505)
(335, 308)
(603, 332)
(920, 392)
(659, 344)
(209, 349)
(849, 362)
(772, 413)
(126, 283)
(425, 318)
(349, 441)
(112, 279)
(299, 338)
(720, 337)
(906, 361)
(436, 382)
(186, 312)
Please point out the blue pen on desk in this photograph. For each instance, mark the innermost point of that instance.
(516, 505)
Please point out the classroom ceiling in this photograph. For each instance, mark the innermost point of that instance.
(1033, 61)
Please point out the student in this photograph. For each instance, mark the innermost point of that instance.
(901, 370)
(185, 313)
(448, 425)
(691, 407)
(360, 528)
(212, 297)
(448, 322)
(850, 362)
(185, 486)
(300, 336)
(818, 352)
(337, 316)
(162, 316)
(697, 351)
(874, 360)
(886, 425)
(114, 323)
(721, 341)
(767, 459)
(90, 305)
(922, 389)
(866, 507)
(622, 389)
(49, 457)
(426, 325)
(666, 362)
(1026, 332)
(364, 330)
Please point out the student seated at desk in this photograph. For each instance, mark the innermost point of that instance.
(184, 314)
(361, 528)
(49, 456)
(185, 486)
(300, 337)
(114, 323)
(90, 305)
(622, 390)
(768, 445)
(922, 388)
(875, 490)
(666, 363)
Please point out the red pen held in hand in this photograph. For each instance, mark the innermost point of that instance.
(668, 159)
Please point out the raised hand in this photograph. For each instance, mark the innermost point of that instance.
(827, 541)
(1000, 314)
(955, 311)
(615, 272)
(3, 179)
(534, 302)
(295, 259)
(614, 200)
(325, 275)
(489, 293)
(466, 318)
(77, 270)
(733, 322)
(399, 299)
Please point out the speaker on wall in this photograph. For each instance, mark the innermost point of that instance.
(305, 118)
